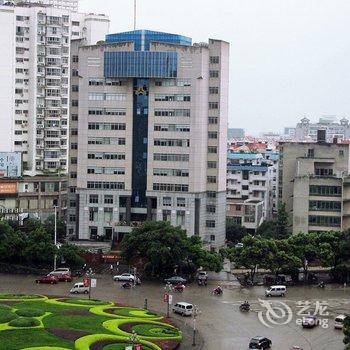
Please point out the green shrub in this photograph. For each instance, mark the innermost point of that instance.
(6, 315)
(24, 322)
(30, 312)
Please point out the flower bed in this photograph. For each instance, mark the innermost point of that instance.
(34, 322)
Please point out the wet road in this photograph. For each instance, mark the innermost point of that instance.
(220, 322)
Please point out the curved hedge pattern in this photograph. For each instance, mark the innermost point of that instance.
(27, 312)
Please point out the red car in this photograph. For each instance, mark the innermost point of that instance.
(64, 278)
(47, 279)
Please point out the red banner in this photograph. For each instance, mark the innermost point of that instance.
(166, 297)
(87, 282)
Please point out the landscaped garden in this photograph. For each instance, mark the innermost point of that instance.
(36, 322)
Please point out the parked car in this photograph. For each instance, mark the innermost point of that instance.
(183, 308)
(259, 343)
(239, 245)
(310, 322)
(47, 279)
(60, 271)
(175, 280)
(65, 278)
(79, 288)
(276, 291)
(125, 277)
(339, 321)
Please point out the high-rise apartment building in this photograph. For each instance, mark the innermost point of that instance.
(35, 80)
(314, 184)
(71, 5)
(148, 135)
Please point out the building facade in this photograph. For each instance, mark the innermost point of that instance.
(34, 86)
(252, 179)
(71, 5)
(314, 184)
(307, 131)
(148, 130)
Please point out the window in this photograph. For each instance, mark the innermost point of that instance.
(210, 223)
(330, 221)
(74, 132)
(213, 105)
(323, 172)
(212, 149)
(108, 199)
(181, 202)
(75, 88)
(213, 120)
(212, 135)
(214, 59)
(172, 142)
(212, 238)
(105, 185)
(211, 179)
(341, 152)
(171, 157)
(170, 187)
(212, 165)
(74, 117)
(211, 194)
(334, 191)
(324, 206)
(93, 199)
(73, 175)
(167, 201)
(211, 208)
(172, 112)
(245, 187)
(166, 215)
(93, 213)
(73, 146)
(72, 218)
(310, 153)
(75, 59)
(214, 74)
(213, 90)
(108, 214)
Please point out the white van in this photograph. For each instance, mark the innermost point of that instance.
(339, 321)
(79, 288)
(276, 291)
(184, 309)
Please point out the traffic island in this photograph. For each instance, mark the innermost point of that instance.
(35, 322)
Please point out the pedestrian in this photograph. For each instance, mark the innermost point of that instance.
(84, 267)
(111, 269)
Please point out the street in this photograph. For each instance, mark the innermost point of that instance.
(220, 322)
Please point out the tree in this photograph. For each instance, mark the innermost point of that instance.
(234, 232)
(304, 247)
(71, 254)
(165, 248)
(252, 255)
(275, 229)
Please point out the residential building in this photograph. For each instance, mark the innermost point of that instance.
(148, 135)
(252, 179)
(71, 5)
(35, 81)
(307, 131)
(314, 184)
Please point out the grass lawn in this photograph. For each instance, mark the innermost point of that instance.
(70, 323)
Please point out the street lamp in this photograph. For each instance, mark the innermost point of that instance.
(55, 238)
(168, 288)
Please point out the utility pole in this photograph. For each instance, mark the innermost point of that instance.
(135, 13)
(55, 239)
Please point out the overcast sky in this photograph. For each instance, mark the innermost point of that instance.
(289, 58)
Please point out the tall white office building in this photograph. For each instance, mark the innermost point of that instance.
(35, 80)
(149, 130)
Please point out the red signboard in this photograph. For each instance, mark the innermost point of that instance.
(87, 282)
(137, 347)
(166, 297)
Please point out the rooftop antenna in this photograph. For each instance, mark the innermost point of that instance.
(135, 13)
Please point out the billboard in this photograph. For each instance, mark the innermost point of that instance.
(10, 164)
(8, 187)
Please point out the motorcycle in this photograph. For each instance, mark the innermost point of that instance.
(321, 285)
(126, 285)
(202, 282)
(217, 291)
(179, 288)
(245, 307)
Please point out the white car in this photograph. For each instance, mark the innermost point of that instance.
(79, 288)
(125, 277)
(339, 321)
(60, 271)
